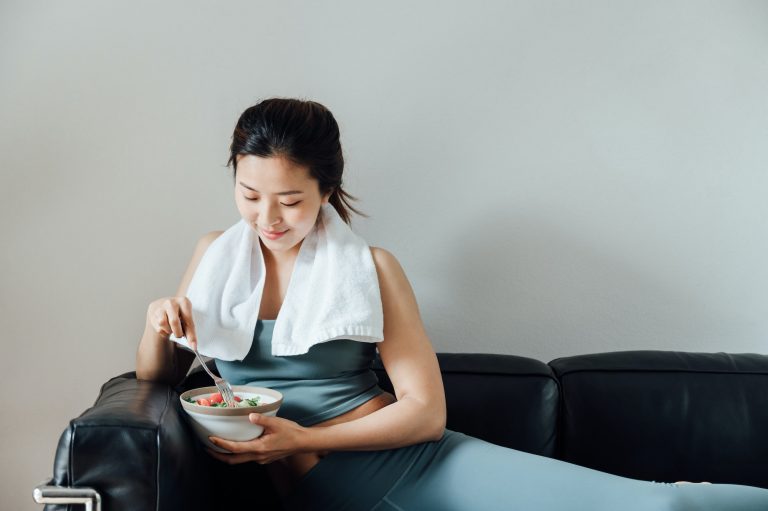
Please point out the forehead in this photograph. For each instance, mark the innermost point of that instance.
(257, 171)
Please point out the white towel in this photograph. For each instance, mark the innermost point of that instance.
(333, 292)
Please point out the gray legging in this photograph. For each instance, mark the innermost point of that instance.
(463, 473)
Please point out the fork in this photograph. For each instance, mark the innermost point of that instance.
(223, 385)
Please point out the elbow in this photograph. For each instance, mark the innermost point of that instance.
(141, 372)
(144, 375)
(438, 434)
(438, 429)
(432, 418)
(435, 407)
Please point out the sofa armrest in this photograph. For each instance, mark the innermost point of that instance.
(134, 447)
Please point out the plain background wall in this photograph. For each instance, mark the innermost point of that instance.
(556, 178)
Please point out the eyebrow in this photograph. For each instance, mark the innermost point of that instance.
(289, 192)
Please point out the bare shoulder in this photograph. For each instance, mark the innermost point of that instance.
(209, 238)
(202, 245)
(392, 279)
(397, 295)
(384, 260)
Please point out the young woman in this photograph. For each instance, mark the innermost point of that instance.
(370, 450)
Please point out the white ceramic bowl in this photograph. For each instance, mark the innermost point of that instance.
(229, 423)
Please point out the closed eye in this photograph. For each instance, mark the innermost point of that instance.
(256, 198)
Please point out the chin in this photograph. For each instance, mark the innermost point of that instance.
(280, 245)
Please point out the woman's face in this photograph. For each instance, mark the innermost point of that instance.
(274, 194)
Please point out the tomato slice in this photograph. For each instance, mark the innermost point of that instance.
(203, 402)
(216, 398)
(238, 398)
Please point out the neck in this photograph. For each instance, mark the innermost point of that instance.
(274, 259)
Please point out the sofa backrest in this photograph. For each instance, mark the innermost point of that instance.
(649, 415)
(666, 415)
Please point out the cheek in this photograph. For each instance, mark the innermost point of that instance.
(296, 218)
(299, 216)
(245, 211)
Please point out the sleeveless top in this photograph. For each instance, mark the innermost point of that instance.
(329, 380)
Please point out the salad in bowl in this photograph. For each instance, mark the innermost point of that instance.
(209, 415)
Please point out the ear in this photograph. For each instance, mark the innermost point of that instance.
(327, 196)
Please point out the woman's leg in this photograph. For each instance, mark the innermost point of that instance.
(463, 473)
(354, 480)
(467, 473)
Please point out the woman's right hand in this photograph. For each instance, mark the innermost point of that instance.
(173, 314)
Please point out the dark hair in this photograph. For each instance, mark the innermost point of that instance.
(306, 133)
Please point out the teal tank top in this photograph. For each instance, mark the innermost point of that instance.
(333, 377)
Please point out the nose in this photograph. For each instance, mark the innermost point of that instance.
(270, 213)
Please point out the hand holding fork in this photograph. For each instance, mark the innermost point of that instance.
(174, 315)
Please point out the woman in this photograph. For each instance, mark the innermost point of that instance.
(386, 452)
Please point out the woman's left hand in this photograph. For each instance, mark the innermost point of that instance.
(281, 438)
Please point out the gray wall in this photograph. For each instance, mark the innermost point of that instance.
(555, 177)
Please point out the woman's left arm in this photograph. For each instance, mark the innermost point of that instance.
(419, 413)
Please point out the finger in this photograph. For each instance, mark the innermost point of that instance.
(186, 329)
(159, 322)
(234, 447)
(172, 311)
(188, 323)
(264, 420)
(231, 459)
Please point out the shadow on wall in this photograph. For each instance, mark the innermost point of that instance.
(527, 287)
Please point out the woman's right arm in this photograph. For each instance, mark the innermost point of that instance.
(158, 358)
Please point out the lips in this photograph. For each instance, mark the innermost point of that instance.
(273, 235)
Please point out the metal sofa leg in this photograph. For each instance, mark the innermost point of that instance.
(46, 493)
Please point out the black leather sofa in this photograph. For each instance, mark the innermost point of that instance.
(654, 415)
